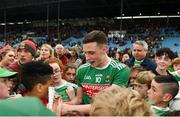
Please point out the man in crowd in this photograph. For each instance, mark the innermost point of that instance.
(61, 54)
(26, 53)
(140, 50)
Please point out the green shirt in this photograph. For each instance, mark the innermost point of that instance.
(160, 111)
(25, 106)
(93, 80)
(136, 62)
(61, 90)
(176, 75)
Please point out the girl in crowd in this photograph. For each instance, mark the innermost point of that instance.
(125, 57)
(69, 73)
(118, 56)
(63, 88)
(46, 52)
(7, 57)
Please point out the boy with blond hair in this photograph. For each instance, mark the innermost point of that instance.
(125, 102)
(142, 82)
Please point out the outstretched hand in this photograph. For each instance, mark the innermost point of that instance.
(70, 92)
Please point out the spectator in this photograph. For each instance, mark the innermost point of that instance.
(29, 106)
(175, 105)
(5, 82)
(46, 52)
(133, 73)
(7, 57)
(163, 58)
(140, 50)
(63, 88)
(61, 54)
(118, 56)
(74, 56)
(36, 77)
(69, 73)
(125, 102)
(142, 82)
(26, 53)
(125, 57)
(163, 90)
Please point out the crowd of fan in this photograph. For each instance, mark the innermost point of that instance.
(152, 83)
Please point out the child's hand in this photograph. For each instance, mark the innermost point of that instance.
(70, 92)
(57, 105)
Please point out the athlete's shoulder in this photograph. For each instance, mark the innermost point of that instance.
(117, 64)
(84, 66)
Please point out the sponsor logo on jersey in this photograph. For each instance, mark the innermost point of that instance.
(107, 79)
(87, 77)
(93, 89)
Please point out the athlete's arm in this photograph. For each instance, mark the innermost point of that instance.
(82, 109)
(78, 98)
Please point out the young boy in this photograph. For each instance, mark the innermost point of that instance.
(142, 82)
(37, 77)
(125, 102)
(163, 90)
(163, 58)
(133, 73)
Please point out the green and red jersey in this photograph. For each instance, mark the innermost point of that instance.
(93, 80)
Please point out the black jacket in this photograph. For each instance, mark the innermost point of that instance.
(148, 64)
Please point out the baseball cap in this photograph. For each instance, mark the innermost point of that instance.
(6, 73)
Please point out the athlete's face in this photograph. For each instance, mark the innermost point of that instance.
(94, 53)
